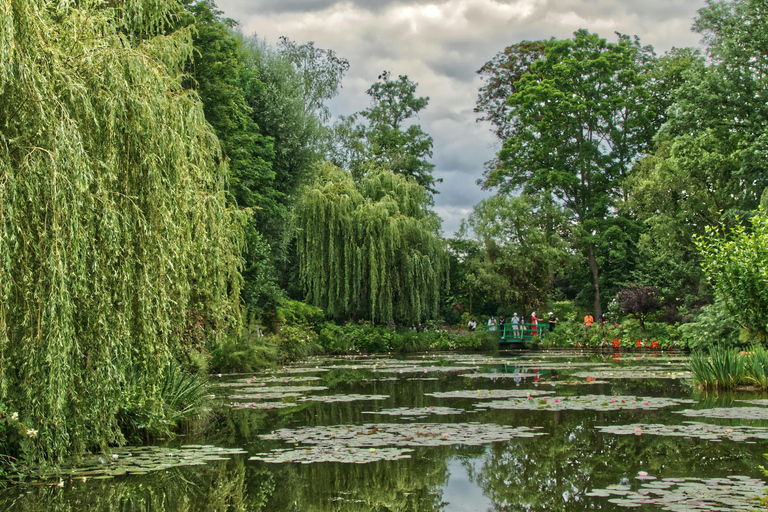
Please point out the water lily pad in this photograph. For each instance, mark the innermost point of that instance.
(347, 455)
(500, 375)
(635, 374)
(489, 393)
(690, 429)
(579, 403)
(261, 405)
(735, 493)
(145, 459)
(417, 411)
(425, 369)
(735, 413)
(400, 435)
(342, 398)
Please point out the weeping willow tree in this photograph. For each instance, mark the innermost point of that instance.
(370, 249)
(113, 223)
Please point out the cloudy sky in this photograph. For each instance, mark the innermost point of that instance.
(440, 44)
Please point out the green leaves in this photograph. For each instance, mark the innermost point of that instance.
(736, 265)
(369, 249)
(113, 218)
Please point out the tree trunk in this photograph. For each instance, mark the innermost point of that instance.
(595, 280)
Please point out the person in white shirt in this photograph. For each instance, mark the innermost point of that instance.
(516, 326)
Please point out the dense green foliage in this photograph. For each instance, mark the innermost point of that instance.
(370, 249)
(737, 265)
(113, 217)
(385, 142)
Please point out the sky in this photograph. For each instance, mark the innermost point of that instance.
(440, 44)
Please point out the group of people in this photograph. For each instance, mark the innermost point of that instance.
(518, 325)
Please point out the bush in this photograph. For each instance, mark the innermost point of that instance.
(183, 398)
(295, 342)
(713, 326)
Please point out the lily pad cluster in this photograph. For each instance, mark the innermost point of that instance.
(635, 374)
(402, 434)
(689, 429)
(735, 493)
(141, 460)
(565, 365)
(417, 411)
(500, 375)
(735, 413)
(342, 398)
(261, 405)
(580, 403)
(489, 393)
(425, 369)
(311, 454)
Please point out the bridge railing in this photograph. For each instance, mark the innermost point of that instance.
(511, 333)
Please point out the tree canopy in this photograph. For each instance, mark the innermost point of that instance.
(113, 213)
(370, 249)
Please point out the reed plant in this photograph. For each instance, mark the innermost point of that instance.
(721, 368)
(757, 366)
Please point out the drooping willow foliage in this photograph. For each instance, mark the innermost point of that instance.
(113, 220)
(370, 249)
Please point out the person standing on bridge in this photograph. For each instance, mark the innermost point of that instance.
(552, 321)
(535, 326)
(516, 326)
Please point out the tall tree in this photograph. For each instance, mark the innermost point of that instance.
(288, 104)
(500, 75)
(387, 142)
(582, 116)
(217, 72)
(113, 216)
(370, 248)
(525, 244)
(709, 165)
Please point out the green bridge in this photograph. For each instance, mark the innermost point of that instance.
(516, 333)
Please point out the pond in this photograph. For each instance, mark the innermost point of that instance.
(517, 431)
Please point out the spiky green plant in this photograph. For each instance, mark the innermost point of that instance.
(757, 366)
(722, 368)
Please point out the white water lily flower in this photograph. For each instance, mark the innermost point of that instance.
(31, 433)
(15, 416)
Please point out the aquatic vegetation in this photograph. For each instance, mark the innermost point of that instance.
(311, 454)
(737, 413)
(396, 434)
(635, 374)
(280, 389)
(261, 405)
(410, 412)
(489, 393)
(140, 460)
(565, 365)
(426, 369)
(342, 398)
(689, 429)
(299, 369)
(579, 403)
(722, 368)
(734, 493)
(263, 396)
(500, 375)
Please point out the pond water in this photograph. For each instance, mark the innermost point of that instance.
(517, 431)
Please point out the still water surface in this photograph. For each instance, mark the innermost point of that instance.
(557, 451)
